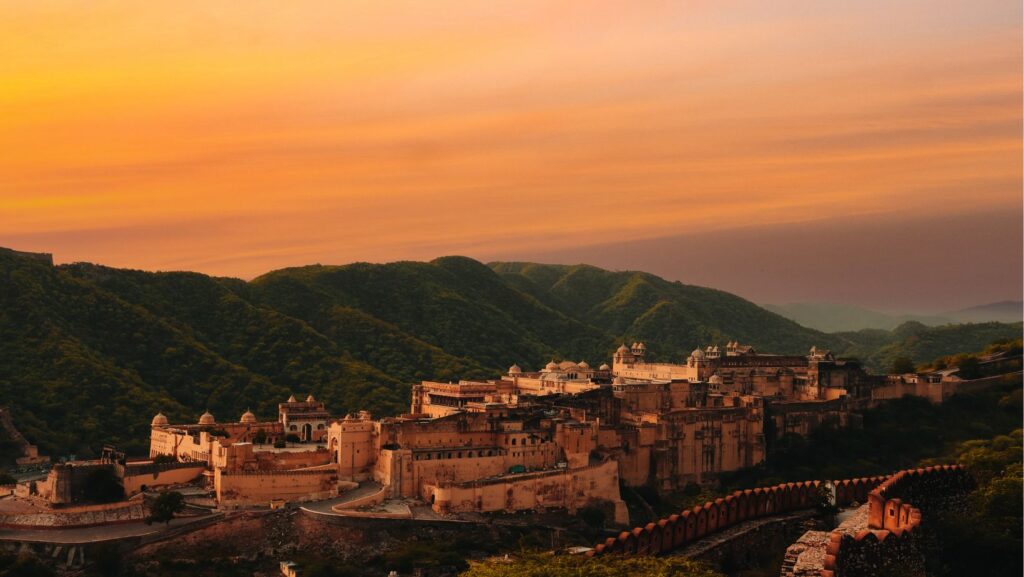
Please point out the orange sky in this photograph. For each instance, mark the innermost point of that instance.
(232, 138)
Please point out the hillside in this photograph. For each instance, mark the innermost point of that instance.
(89, 353)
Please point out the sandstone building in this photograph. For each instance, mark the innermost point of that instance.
(565, 436)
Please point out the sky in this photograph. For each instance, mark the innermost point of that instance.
(876, 143)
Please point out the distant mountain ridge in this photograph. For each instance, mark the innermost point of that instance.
(89, 353)
(831, 317)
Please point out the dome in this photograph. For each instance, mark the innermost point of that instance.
(641, 346)
(514, 370)
(583, 365)
(715, 380)
(697, 354)
(567, 365)
(248, 417)
(622, 349)
(619, 381)
(310, 399)
(292, 399)
(604, 367)
(207, 419)
(552, 366)
(159, 420)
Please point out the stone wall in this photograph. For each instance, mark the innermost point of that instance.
(714, 516)
(566, 489)
(136, 477)
(253, 487)
(887, 538)
(88, 516)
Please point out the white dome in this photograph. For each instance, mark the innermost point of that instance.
(159, 420)
(715, 380)
(604, 367)
(697, 354)
(583, 365)
(207, 419)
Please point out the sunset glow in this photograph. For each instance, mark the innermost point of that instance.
(233, 138)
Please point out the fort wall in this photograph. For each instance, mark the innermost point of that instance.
(568, 489)
(887, 539)
(87, 516)
(249, 487)
(713, 516)
(137, 478)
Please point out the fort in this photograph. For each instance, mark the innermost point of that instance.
(563, 437)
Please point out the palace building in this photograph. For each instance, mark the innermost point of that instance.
(565, 436)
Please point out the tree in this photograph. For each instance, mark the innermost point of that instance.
(260, 437)
(546, 565)
(592, 516)
(165, 506)
(902, 365)
(969, 368)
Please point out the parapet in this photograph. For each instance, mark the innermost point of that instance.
(711, 517)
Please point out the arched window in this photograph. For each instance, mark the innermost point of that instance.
(513, 441)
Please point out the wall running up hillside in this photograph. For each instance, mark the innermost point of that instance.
(714, 516)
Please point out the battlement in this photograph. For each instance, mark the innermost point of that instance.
(713, 516)
(894, 519)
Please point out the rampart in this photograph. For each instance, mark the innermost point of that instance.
(886, 538)
(713, 516)
(251, 487)
(139, 477)
(560, 488)
(86, 516)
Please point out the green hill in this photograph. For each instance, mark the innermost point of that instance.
(89, 353)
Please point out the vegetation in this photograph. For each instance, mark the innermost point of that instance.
(986, 539)
(543, 565)
(897, 435)
(88, 354)
(23, 564)
(165, 506)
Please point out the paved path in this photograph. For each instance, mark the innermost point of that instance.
(324, 507)
(80, 535)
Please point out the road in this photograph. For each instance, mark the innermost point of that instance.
(324, 507)
(82, 535)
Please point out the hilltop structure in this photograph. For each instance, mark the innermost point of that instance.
(561, 437)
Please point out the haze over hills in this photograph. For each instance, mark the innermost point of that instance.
(833, 317)
(89, 353)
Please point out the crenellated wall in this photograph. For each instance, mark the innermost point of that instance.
(887, 536)
(703, 520)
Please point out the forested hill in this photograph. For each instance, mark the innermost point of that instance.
(89, 353)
